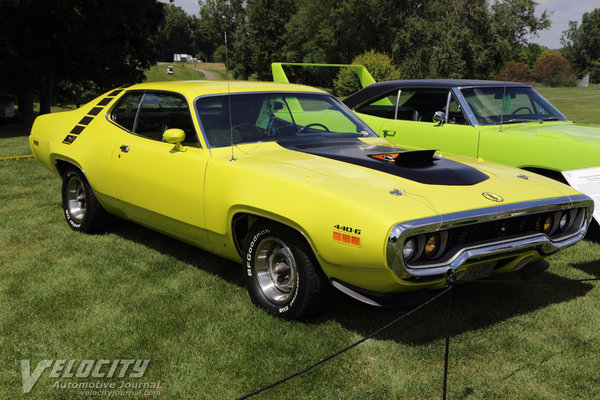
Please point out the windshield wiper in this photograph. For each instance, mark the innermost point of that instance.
(511, 121)
(553, 119)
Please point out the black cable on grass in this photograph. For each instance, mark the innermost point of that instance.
(348, 347)
(451, 281)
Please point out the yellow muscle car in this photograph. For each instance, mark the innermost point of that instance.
(287, 181)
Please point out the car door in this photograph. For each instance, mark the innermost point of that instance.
(406, 118)
(156, 184)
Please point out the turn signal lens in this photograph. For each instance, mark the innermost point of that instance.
(547, 223)
(431, 245)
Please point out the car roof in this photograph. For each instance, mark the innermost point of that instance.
(380, 88)
(194, 89)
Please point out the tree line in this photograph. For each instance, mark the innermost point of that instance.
(69, 50)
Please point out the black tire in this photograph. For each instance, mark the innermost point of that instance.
(281, 273)
(81, 208)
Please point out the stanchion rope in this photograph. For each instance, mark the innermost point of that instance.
(452, 281)
(433, 299)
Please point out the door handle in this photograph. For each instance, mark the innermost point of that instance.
(387, 133)
(124, 149)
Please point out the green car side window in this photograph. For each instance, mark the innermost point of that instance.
(413, 105)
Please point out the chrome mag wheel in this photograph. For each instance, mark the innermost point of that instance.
(276, 270)
(76, 200)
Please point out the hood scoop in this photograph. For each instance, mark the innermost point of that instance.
(419, 166)
(413, 159)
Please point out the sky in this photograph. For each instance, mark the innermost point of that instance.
(563, 12)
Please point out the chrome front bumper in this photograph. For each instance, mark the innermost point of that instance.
(492, 249)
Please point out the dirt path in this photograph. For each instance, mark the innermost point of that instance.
(207, 74)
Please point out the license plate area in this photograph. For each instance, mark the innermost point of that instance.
(479, 271)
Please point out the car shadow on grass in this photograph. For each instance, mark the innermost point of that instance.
(200, 259)
(474, 306)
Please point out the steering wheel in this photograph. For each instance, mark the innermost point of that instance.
(522, 108)
(306, 127)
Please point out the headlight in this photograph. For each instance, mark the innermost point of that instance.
(408, 250)
(564, 221)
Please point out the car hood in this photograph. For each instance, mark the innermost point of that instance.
(589, 134)
(469, 180)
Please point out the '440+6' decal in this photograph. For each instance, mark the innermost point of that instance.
(346, 235)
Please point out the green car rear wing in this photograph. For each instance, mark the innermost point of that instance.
(279, 75)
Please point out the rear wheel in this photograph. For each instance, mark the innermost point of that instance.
(281, 273)
(82, 210)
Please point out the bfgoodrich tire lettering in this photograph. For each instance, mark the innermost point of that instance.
(281, 273)
(81, 208)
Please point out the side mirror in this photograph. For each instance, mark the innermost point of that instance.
(175, 136)
(439, 117)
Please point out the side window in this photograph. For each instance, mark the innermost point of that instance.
(162, 111)
(151, 114)
(455, 114)
(125, 112)
(383, 107)
(412, 105)
(421, 104)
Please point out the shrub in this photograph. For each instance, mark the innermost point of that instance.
(379, 65)
(513, 71)
(553, 69)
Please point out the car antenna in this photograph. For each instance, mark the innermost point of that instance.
(229, 99)
(503, 96)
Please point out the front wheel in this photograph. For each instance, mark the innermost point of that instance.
(281, 273)
(81, 208)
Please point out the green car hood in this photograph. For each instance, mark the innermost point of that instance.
(569, 131)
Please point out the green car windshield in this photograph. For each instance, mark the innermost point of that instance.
(495, 105)
(263, 117)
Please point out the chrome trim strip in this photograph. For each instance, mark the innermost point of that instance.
(447, 113)
(357, 296)
(466, 109)
(539, 242)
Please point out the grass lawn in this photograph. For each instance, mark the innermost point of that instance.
(579, 104)
(180, 73)
(135, 294)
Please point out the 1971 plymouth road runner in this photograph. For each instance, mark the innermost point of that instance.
(290, 183)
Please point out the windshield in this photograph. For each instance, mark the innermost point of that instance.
(263, 117)
(490, 105)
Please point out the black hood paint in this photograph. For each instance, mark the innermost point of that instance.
(435, 171)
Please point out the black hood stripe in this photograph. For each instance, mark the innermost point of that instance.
(436, 171)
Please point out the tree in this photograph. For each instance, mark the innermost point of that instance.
(176, 34)
(582, 43)
(513, 71)
(553, 69)
(266, 31)
(426, 39)
(380, 67)
(109, 42)
(218, 17)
